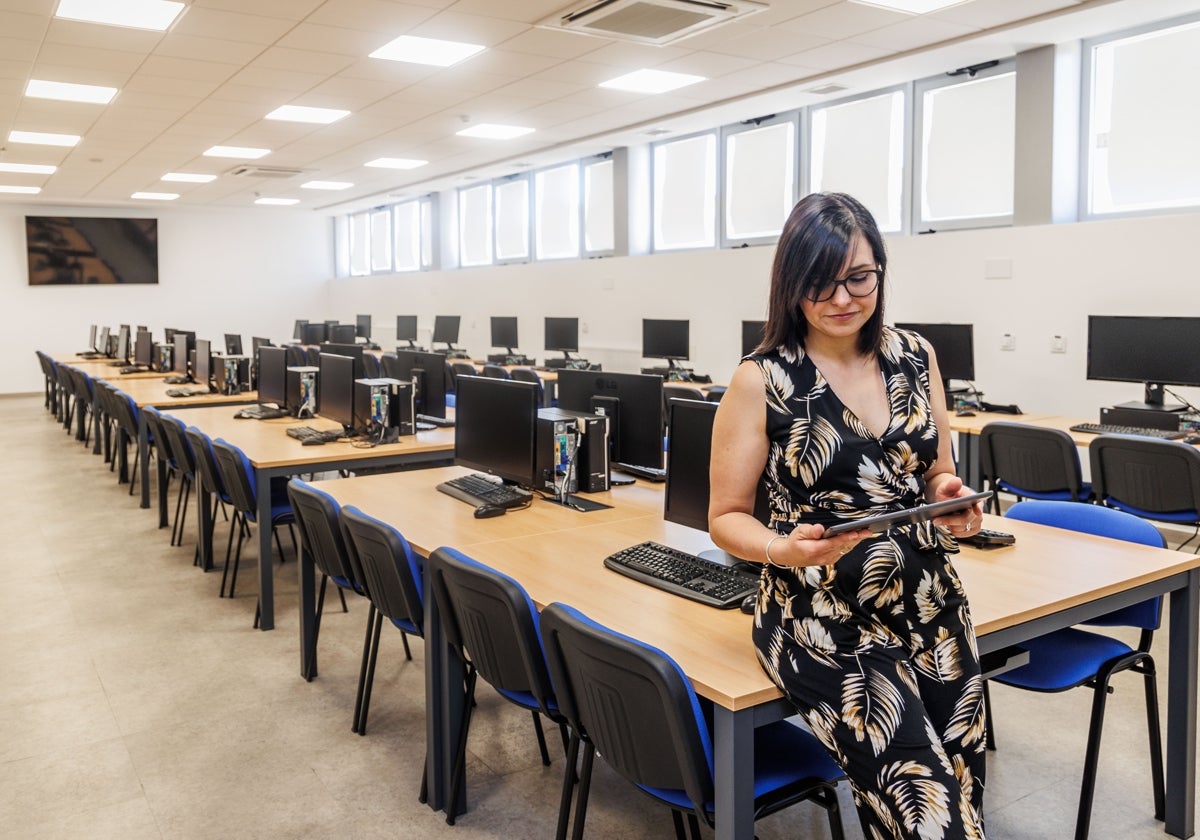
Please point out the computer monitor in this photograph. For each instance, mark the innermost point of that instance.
(91, 345)
(362, 326)
(406, 329)
(1154, 350)
(123, 343)
(342, 333)
(272, 375)
(203, 366)
(102, 341)
(143, 349)
(180, 354)
(354, 351)
(169, 335)
(562, 334)
(662, 339)
(313, 334)
(427, 372)
(445, 330)
(954, 346)
(298, 330)
(752, 335)
(495, 429)
(233, 344)
(633, 402)
(335, 389)
(504, 332)
(257, 342)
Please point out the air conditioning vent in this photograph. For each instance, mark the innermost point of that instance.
(650, 21)
(249, 170)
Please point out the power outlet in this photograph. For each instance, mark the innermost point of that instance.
(1008, 341)
(1058, 344)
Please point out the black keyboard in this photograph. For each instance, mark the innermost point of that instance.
(308, 433)
(177, 380)
(649, 473)
(261, 412)
(132, 369)
(476, 490)
(1110, 429)
(684, 574)
(438, 422)
(186, 392)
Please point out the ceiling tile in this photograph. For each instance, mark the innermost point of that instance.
(984, 14)
(285, 81)
(506, 63)
(186, 68)
(207, 49)
(265, 98)
(474, 29)
(835, 55)
(202, 22)
(85, 59)
(290, 10)
(15, 49)
(188, 88)
(913, 33)
(354, 94)
(75, 33)
(558, 44)
(23, 26)
(386, 18)
(61, 73)
(331, 39)
(303, 61)
(843, 20)
(15, 70)
(527, 11)
(769, 45)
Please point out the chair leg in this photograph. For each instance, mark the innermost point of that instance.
(367, 679)
(989, 731)
(677, 821)
(694, 825)
(460, 758)
(1091, 758)
(243, 530)
(541, 738)
(569, 779)
(362, 668)
(585, 783)
(342, 597)
(407, 650)
(1155, 730)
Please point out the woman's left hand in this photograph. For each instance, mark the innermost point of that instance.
(962, 523)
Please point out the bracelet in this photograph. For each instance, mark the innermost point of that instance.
(771, 562)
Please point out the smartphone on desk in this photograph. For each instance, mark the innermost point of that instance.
(882, 522)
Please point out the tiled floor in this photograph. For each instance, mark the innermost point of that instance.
(136, 704)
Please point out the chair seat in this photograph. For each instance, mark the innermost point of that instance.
(1186, 517)
(451, 400)
(1064, 659)
(1085, 491)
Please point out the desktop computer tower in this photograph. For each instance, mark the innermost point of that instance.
(384, 408)
(231, 374)
(301, 391)
(1146, 418)
(572, 437)
(163, 359)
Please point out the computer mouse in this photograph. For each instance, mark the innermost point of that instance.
(964, 412)
(488, 511)
(749, 603)
(1192, 439)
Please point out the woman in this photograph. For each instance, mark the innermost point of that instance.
(869, 635)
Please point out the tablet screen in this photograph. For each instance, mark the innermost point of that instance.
(911, 516)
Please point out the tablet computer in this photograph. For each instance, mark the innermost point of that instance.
(911, 516)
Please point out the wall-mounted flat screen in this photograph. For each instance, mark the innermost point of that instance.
(66, 250)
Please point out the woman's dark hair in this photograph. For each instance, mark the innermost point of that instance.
(813, 247)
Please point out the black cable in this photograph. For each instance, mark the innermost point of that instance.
(1183, 400)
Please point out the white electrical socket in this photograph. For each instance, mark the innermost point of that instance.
(1058, 344)
(1008, 341)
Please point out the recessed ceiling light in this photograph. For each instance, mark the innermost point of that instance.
(43, 138)
(494, 131)
(155, 196)
(305, 114)
(326, 185)
(189, 177)
(426, 51)
(138, 14)
(4, 188)
(652, 81)
(396, 163)
(29, 168)
(279, 202)
(68, 92)
(911, 7)
(244, 152)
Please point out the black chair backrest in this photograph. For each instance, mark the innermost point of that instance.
(390, 572)
(177, 443)
(124, 412)
(524, 374)
(1151, 475)
(1030, 458)
(682, 392)
(320, 534)
(157, 436)
(295, 355)
(371, 366)
(490, 616)
(313, 355)
(235, 475)
(206, 462)
(631, 701)
(496, 372)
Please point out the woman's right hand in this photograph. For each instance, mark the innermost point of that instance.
(806, 546)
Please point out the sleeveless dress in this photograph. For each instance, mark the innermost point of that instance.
(877, 651)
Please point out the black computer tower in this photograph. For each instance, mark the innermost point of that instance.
(572, 438)
(1146, 418)
(231, 374)
(383, 407)
(301, 391)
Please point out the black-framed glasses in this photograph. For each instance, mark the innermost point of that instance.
(858, 284)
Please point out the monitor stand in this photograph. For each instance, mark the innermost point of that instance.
(1146, 406)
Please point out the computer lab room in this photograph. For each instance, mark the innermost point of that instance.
(365, 360)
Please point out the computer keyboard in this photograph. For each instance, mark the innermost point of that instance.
(132, 369)
(438, 422)
(1111, 429)
(307, 434)
(177, 380)
(476, 490)
(649, 473)
(261, 412)
(186, 392)
(684, 574)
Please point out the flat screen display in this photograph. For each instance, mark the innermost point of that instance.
(504, 331)
(427, 372)
(67, 250)
(495, 427)
(445, 329)
(406, 328)
(662, 339)
(143, 348)
(1162, 350)
(752, 334)
(633, 402)
(233, 344)
(362, 326)
(272, 375)
(562, 334)
(203, 374)
(335, 389)
(954, 346)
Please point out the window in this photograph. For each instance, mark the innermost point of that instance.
(512, 219)
(556, 221)
(760, 180)
(1142, 118)
(360, 245)
(475, 225)
(858, 148)
(598, 207)
(685, 193)
(381, 240)
(965, 137)
(407, 227)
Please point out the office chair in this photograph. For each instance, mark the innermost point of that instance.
(66, 389)
(1151, 478)
(158, 440)
(50, 375)
(1031, 463)
(492, 626)
(1072, 657)
(210, 479)
(496, 372)
(295, 355)
(125, 411)
(371, 366)
(312, 356)
(683, 392)
(185, 461)
(524, 374)
(82, 386)
(393, 578)
(633, 704)
(239, 480)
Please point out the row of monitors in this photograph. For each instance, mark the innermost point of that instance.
(316, 332)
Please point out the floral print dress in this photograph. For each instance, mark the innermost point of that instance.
(877, 651)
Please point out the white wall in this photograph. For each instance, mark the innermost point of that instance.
(220, 271)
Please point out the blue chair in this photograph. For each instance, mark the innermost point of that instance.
(1072, 657)
(525, 374)
(1151, 478)
(633, 704)
(1031, 462)
(173, 429)
(210, 475)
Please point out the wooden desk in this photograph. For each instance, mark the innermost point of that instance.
(273, 454)
(1048, 580)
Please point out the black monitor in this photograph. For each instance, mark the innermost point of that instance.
(169, 335)
(954, 346)
(123, 343)
(495, 428)
(257, 342)
(102, 341)
(335, 389)
(233, 344)
(143, 349)
(354, 351)
(665, 339)
(562, 334)
(342, 333)
(427, 372)
(203, 365)
(91, 345)
(362, 326)
(272, 375)
(445, 330)
(504, 332)
(752, 336)
(1154, 350)
(406, 329)
(180, 354)
(298, 330)
(313, 334)
(633, 402)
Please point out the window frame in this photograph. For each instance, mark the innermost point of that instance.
(489, 225)
(715, 134)
(579, 211)
(799, 156)
(584, 164)
(496, 184)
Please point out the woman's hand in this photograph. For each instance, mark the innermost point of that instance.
(805, 546)
(961, 523)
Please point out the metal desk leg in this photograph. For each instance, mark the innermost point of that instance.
(1181, 708)
(266, 577)
(143, 453)
(733, 765)
(308, 615)
(444, 703)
